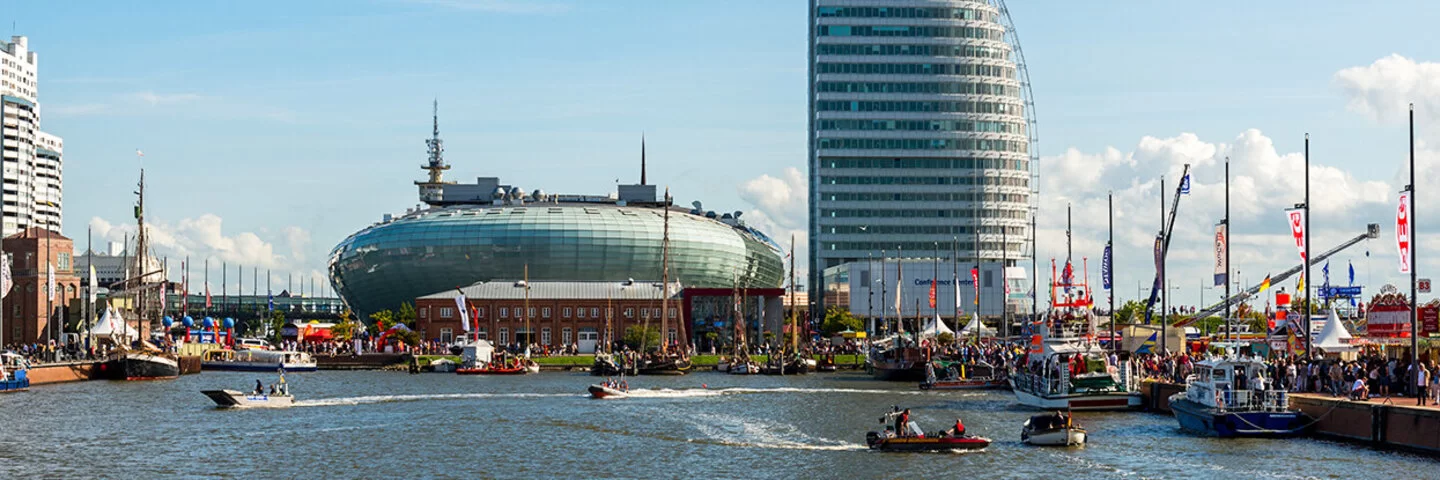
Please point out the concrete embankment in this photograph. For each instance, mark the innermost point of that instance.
(1398, 424)
(91, 370)
(369, 361)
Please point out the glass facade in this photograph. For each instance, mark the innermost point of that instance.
(439, 249)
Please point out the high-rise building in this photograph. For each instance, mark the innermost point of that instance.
(920, 133)
(33, 160)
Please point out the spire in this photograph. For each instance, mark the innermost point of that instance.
(435, 117)
(642, 158)
(430, 188)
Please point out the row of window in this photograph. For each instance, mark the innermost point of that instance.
(931, 163)
(971, 51)
(448, 335)
(923, 213)
(906, 12)
(567, 312)
(923, 126)
(877, 180)
(955, 230)
(925, 144)
(916, 69)
(932, 88)
(931, 107)
(912, 246)
(910, 31)
(924, 197)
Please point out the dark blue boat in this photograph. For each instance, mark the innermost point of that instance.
(14, 373)
(1228, 397)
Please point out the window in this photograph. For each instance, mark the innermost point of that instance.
(988, 283)
(629, 313)
(566, 313)
(480, 312)
(672, 336)
(580, 312)
(595, 312)
(504, 334)
(672, 312)
(482, 334)
(655, 312)
(64, 261)
(609, 311)
(565, 336)
(545, 336)
(446, 312)
(545, 312)
(424, 312)
(530, 312)
(447, 335)
(504, 312)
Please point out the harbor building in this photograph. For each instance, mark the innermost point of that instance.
(33, 251)
(33, 159)
(921, 129)
(488, 231)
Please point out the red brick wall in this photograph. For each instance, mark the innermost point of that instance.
(430, 322)
(25, 305)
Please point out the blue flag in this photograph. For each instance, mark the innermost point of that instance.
(1352, 277)
(1185, 185)
(1105, 271)
(1326, 270)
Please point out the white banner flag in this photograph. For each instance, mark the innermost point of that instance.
(1297, 229)
(1402, 231)
(93, 285)
(464, 313)
(1222, 243)
(50, 280)
(4, 275)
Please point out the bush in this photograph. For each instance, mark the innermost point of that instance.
(633, 337)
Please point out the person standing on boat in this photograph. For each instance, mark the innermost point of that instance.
(902, 423)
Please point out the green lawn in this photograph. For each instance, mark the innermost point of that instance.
(588, 360)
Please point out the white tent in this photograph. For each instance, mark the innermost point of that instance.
(973, 326)
(935, 327)
(1334, 337)
(111, 326)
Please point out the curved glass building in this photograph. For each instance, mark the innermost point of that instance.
(438, 249)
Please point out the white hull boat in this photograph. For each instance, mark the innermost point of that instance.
(1091, 401)
(235, 399)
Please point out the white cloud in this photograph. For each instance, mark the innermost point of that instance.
(156, 99)
(1384, 89)
(781, 209)
(204, 237)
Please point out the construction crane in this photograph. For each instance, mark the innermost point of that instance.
(1165, 230)
(1372, 231)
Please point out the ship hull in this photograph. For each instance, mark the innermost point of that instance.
(1204, 420)
(1094, 401)
(141, 366)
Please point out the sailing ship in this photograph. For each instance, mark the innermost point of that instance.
(789, 361)
(1066, 368)
(144, 285)
(897, 358)
(739, 362)
(663, 361)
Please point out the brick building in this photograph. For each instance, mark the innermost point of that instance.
(24, 318)
(560, 312)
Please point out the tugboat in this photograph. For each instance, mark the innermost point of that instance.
(13, 373)
(1053, 429)
(906, 436)
(960, 376)
(1065, 367)
(1229, 397)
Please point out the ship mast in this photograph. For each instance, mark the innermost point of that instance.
(140, 247)
(664, 278)
(794, 328)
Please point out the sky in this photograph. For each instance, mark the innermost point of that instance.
(272, 130)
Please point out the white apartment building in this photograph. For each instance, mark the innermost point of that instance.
(33, 160)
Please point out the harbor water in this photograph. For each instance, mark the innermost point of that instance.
(374, 424)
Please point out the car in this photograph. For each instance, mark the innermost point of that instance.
(253, 344)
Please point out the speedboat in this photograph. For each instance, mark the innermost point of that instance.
(1054, 429)
(912, 439)
(531, 366)
(14, 373)
(234, 399)
(610, 389)
(1227, 397)
(962, 377)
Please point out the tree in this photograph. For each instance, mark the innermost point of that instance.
(1132, 312)
(945, 338)
(347, 328)
(838, 320)
(277, 325)
(383, 319)
(406, 315)
(633, 337)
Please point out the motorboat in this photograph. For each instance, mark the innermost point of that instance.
(492, 369)
(480, 358)
(609, 365)
(1065, 367)
(610, 389)
(910, 438)
(442, 365)
(14, 373)
(826, 364)
(1052, 429)
(959, 376)
(786, 365)
(1227, 396)
(745, 367)
(235, 399)
(257, 360)
(664, 365)
(531, 366)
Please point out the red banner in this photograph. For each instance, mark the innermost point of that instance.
(932, 293)
(1297, 229)
(1430, 319)
(1402, 231)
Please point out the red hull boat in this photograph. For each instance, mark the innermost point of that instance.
(491, 371)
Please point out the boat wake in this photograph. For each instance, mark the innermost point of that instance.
(329, 402)
(715, 392)
(735, 431)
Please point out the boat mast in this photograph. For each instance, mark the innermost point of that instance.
(529, 335)
(664, 278)
(794, 327)
(140, 247)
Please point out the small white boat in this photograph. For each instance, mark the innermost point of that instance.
(254, 360)
(234, 399)
(744, 368)
(1057, 430)
(532, 367)
(442, 365)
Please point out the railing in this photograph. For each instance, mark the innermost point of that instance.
(1255, 401)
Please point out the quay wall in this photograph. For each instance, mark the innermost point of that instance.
(62, 372)
(368, 361)
(1399, 424)
(1156, 395)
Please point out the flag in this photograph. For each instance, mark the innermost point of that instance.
(4, 275)
(932, 293)
(1402, 232)
(1300, 284)
(1265, 285)
(139, 153)
(975, 280)
(50, 280)
(93, 284)
(1352, 279)
(1297, 230)
(957, 295)
(1149, 345)
(1222, 247)
(899, 273)
(464, 312)
(271, 303)
(1326, 271)
(1106, 273)
(207, 294)
(1185, 184)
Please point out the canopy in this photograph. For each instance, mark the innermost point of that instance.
(1334, 337)
(935, 327)
(974, 325)
(111, 326)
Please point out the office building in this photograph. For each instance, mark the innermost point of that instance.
(32, 159)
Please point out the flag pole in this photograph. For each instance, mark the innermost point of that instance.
(1309, 311)
(1414, 314)
(1229, 331)
(1110, 269)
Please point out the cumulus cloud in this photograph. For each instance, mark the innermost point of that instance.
(157, 99)
(204, 237)
(1384, 89)
(780, 209)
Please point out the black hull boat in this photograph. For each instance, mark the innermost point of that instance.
(898, 364)
(881, 442)
(606, 366)
(141, 366)
(793, 367)
(669, 366)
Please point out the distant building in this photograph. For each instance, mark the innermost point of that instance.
(920, 129)
(33, 160)
(24, 310)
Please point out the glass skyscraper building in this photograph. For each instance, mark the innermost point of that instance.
(921, 132)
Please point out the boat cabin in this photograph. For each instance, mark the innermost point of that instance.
(1234, 383)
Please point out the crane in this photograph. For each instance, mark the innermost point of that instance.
(1164, 239)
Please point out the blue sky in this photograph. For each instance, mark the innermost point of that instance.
(274, 129)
